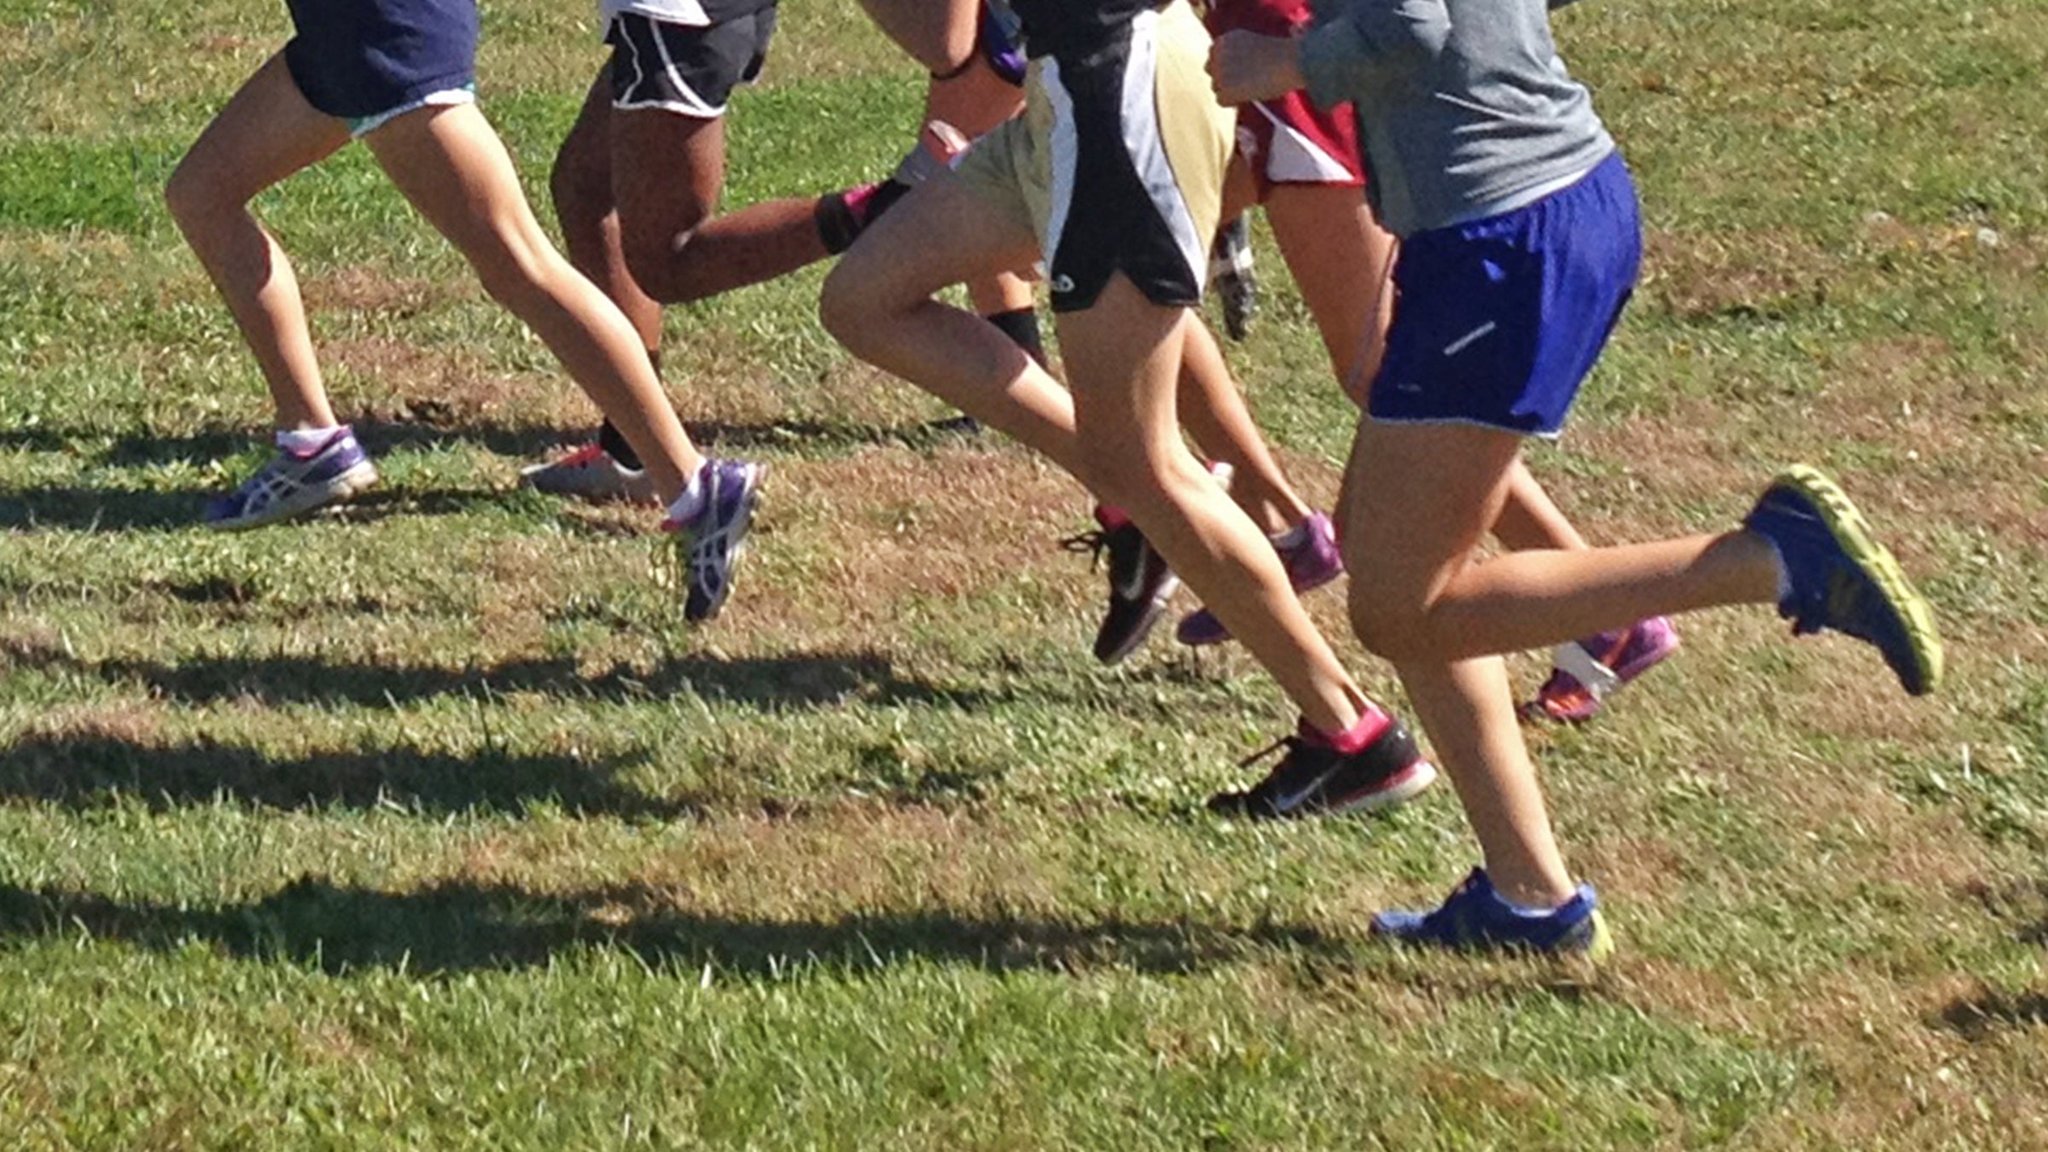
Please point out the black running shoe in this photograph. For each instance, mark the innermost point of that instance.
(1230, 270)
(1140, 583)
(1314, 778)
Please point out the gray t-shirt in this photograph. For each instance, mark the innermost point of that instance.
(1465, 109)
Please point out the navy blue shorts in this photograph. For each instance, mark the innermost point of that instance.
(366, 60)
(1497, 322)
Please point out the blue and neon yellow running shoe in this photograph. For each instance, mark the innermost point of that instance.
(1842, 579)
(1475, 918)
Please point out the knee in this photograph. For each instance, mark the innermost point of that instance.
(651, 264)
(190, 196)
(842, 306)
(858, 302)
(1389, 626)
(662, 258)
(513, 268)
(1131, 472)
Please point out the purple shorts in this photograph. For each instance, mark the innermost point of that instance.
(1497, 322)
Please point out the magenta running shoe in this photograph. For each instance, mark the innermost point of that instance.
(1310, 564)
(1588, 671)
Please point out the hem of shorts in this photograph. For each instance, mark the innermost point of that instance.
(1071, 304)
(1347, 182)
(674, 107)
(1469, 422)
(361, 126)
(615, 17)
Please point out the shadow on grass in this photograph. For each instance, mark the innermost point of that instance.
(457, 927)
(86, 508)
(89, 507)
(1979, 1018)
(435, 430)
(138, 449)
(836, 434)
(800, 681)
(89, 770)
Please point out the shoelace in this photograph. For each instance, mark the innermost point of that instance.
(1094, 541)
(1291, 743)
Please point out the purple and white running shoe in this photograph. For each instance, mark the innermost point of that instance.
(712, 541)
(293, 485)
(1310, 564)
(1588, 671)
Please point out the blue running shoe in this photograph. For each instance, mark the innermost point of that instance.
(293, 485)
(1842, 579)
(713, 540)
(1475, 918)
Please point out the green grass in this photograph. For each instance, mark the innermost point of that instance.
(429, 825)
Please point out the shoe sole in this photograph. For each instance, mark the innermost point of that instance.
(311, 498)
(1853, 536)
(1629, 673)
(536, 479)
(1597, 948)
(1397, 790)
(743, 526)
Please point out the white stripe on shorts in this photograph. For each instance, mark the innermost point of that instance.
(1148, 151)
(692, 104)
(1296, 159)
(1066, 154)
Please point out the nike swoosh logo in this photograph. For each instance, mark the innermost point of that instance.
(1287, 802)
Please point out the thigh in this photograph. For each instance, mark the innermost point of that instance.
(266, 132)
(1419, 498)
(945, 231)
(1123, 358)
(452, 167)
(584, 160)
(668, 171)
(1341, 260)
(669, 89)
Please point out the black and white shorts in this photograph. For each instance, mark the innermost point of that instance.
(1117, 163)
(687, 69)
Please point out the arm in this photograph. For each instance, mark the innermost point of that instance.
(939, 33)
(1372, 44)
(1360, 48)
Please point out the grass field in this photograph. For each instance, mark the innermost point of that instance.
(430, 825)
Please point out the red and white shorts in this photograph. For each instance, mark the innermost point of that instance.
(1288, 140)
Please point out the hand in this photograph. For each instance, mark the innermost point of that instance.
(1246, 66)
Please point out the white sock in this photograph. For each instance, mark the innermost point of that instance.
(303, 442)
(691, 502)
